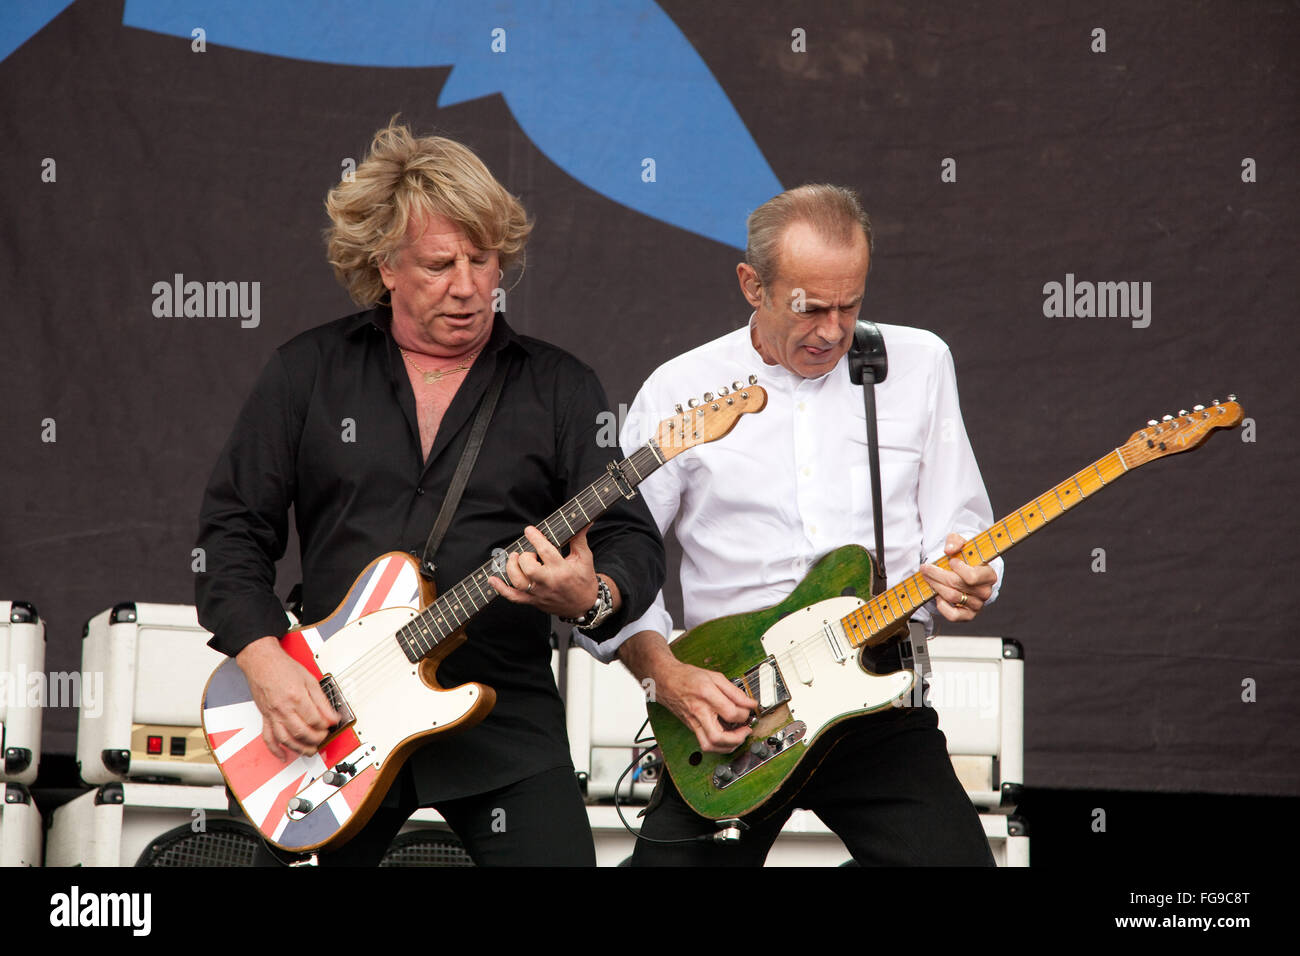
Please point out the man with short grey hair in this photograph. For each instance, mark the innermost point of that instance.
(789, 486)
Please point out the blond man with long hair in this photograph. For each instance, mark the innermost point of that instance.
(358, 425)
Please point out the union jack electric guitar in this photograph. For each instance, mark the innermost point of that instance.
(377, 658)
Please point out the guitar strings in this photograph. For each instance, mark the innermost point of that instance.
(879, 606)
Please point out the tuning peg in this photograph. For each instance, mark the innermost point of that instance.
(708, 396)
(1167, 418)
(736, 386)
(1215, 402)
(1232, 397)
(678, 407)
(753, 380)
(1152, 423)
(1198, 408)
(692, 403)
(723, 390)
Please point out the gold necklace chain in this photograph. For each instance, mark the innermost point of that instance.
(432, 376)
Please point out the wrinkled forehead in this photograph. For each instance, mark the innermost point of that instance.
(821, 265)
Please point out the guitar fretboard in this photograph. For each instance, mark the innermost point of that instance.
(880, 617)
(452, 610)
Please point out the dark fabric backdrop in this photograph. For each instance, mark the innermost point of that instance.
(1116, 166)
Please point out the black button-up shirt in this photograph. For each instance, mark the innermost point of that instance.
(331, 429)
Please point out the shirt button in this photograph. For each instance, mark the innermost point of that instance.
(812, 529)
(807, 472)
(801, 406)
(419, 491)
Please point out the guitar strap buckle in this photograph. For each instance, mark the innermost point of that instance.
(620, 480)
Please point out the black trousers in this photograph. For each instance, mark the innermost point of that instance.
(538, 821)
(886, 787)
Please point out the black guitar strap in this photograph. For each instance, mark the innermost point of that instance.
(487, 405)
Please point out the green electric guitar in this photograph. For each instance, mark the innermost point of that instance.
(803, 660)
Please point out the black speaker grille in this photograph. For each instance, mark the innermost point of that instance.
(426, 848)
(223, 843)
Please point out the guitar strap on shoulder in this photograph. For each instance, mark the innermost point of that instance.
(487, 405)
(868, 365)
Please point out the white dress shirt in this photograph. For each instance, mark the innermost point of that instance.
(755, 509)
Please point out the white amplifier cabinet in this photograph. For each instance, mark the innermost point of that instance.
(1008, 838)
(977, 685)
(20, 827)
(604, 708)
(24, 687)
(153, 661)
(147, 824)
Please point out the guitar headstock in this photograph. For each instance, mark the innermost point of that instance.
(1181, 432)
(708, 418)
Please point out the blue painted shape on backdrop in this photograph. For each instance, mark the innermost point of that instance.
(22, 21)
(599, 87)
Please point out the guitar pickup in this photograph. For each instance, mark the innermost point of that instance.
(332, 693)
(758, 753)
(765, 684)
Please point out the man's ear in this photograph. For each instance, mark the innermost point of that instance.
(750, 286)
(387, 269)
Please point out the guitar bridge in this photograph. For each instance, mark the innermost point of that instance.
(759, 753)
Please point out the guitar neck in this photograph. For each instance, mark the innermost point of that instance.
(879, 618)
(453, 609)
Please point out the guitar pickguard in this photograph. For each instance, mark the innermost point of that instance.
(823, 676)
(816, 675)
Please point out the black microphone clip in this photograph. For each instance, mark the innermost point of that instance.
(867, 354)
